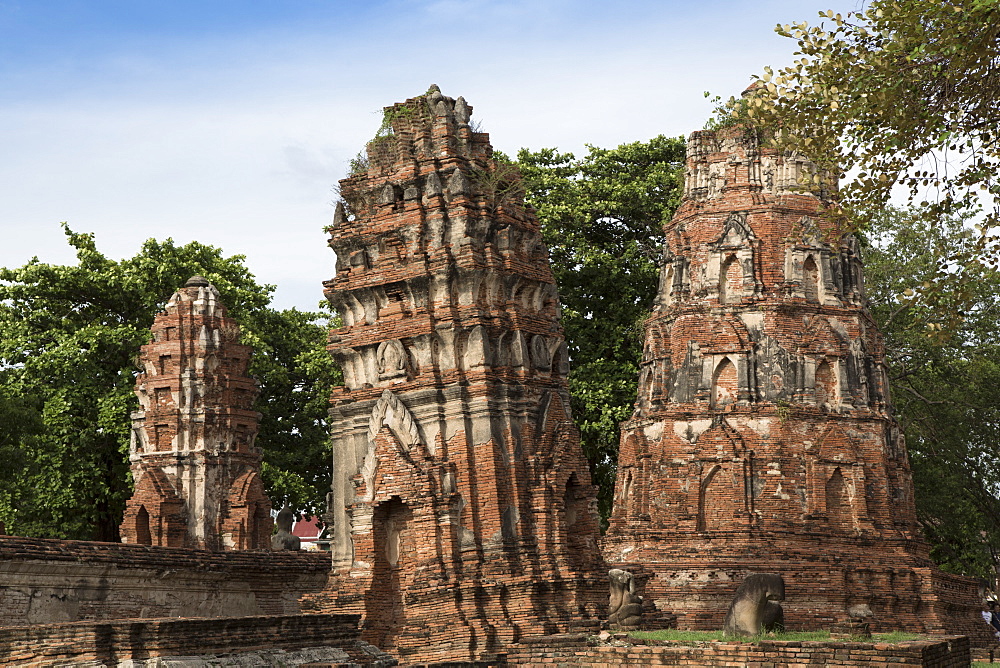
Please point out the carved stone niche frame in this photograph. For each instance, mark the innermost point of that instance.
(809, 270)
(836, 484)
(393, 361)
(673, 279)
(737, 246)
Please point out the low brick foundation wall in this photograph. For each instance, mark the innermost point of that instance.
(943, 652)
(111, 643)
(52, 581)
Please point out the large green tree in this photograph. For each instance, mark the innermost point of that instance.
(602, 217)
(945, 382)
(900, 97)
(69, 337)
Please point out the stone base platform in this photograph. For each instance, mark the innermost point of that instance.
(934, 652)
(694, 577)
(195, 641)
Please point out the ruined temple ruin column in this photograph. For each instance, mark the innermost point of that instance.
(763, 438)
(463, 510)
(194, 459)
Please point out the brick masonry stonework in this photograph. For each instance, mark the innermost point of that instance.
(762, 438)
(463, 510)
(45, 581)
(194, 459)
(942, 652)
(184, 641)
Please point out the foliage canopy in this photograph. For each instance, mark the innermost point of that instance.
(902, 95)
(602, 218)
(946, 389)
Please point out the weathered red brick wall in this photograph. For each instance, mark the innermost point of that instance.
(194, 459)
(763, 437)
(45, 581)
(463, 510)
(110, 643)
(946, 652)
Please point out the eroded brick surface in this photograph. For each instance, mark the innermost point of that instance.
(942, 652)
(463, 510)
(194, 461)
(184, 640)
(762, 439)
(43, 581)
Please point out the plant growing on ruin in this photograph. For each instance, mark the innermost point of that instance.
(500, 183)
(783, 410)
(359, 164)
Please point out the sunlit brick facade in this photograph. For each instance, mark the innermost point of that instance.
(463, 511)
(762, 438)
(194, 459)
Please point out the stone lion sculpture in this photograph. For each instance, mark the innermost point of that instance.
(625, 606)
(753, 609)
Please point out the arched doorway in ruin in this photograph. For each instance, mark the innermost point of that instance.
(385, 613)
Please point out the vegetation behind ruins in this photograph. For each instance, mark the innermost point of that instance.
(901, 96)
(69, 340)
(944, 364)
(602, 218)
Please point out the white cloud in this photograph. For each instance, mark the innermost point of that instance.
(236, 142)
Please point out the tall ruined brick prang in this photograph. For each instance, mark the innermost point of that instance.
(195, 464)
(463, 511)
(762, 438)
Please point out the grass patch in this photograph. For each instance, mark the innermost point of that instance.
(688, 637)
(895, 636)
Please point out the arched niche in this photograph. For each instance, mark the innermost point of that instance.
(732, 263)
(826, 389)
(730, 280)
(720, 498)
(142, 534)
(725, 384)
(839, 509)
(811, 281)
(390, 412)
(385, 607)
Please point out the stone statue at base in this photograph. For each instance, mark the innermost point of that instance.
(625, 606)
(283, 539)
(753, 609)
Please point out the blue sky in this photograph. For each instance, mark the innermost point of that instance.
(229, 122)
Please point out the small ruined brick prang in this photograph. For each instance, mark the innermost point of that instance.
(763, 436)
(462, 507)
(194, 459)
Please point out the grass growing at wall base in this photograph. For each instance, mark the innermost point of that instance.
(687, 637)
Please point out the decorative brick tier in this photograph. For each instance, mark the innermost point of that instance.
(819, 589)
(942, 652)
(463, 510)
(46, 581)
(763, 437)
(112, 643)
(194, 461)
